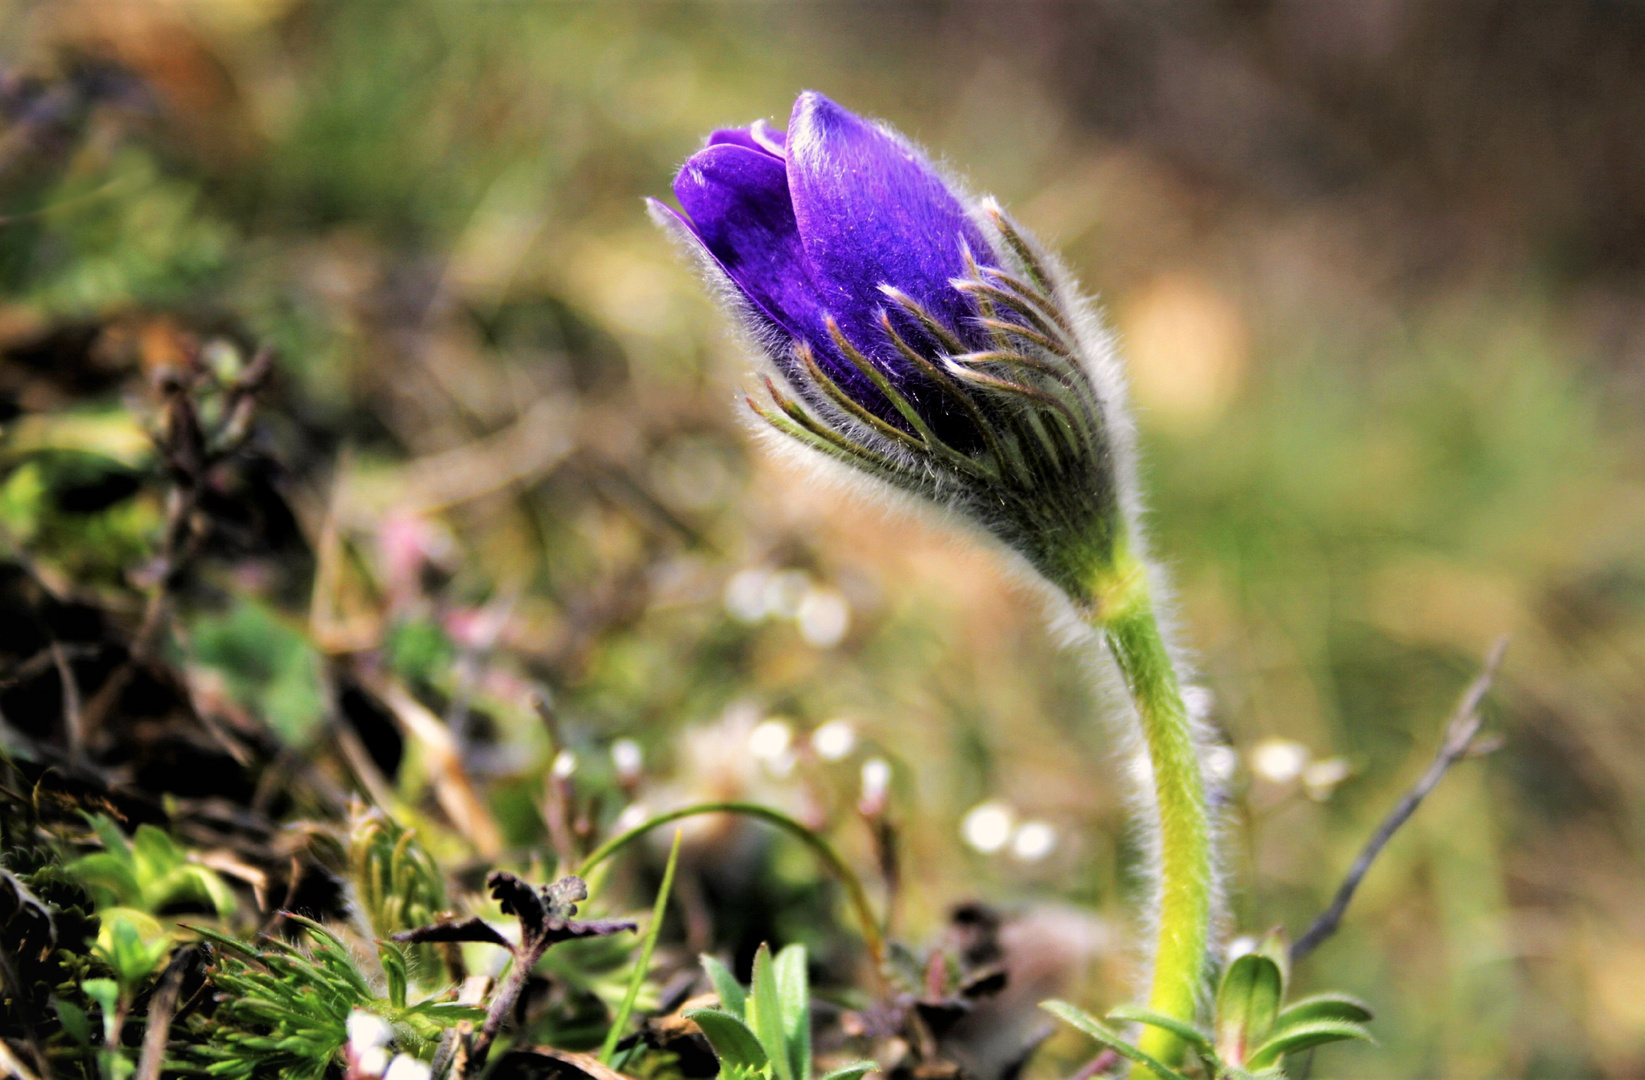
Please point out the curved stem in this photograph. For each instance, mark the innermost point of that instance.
(1123, 614)
(857, 896)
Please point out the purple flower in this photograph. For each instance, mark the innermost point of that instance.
(814, 226)
(925, 339)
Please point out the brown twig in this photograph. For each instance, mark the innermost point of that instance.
(162, 1007)
(189, 453)
(1458, 743)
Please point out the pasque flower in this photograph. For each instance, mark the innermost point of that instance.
(924, 339)
(916, 336)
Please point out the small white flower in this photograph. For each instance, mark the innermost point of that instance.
(366, 1030)
(745, 594)
(1034, 840)
(834, 740)
(1279, 761)
(988, 826)
(823, 617)
(406, 1067)
(633, 816)
(565, 763)
(785, 591)
(876, 781)
(770, 739)
(1320, 778)
(1243, 945)
(627, 759)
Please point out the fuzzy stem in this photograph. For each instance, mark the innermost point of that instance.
(1123, 613)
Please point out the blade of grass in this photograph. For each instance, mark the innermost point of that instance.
(620, 1021)
(856, 894)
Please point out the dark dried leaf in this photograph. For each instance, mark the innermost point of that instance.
(941, 1016)
(570, 930)
(475, 929)
(984, 983)
(520, 900)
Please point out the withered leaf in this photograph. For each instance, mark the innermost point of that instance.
(475, 929)
(520, 900)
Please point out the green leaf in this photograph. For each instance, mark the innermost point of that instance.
(1303, 1036)
(108, 877)
(1188, 1033)
(114, 841)
(132, 943)
(393, 961)
(734, 1044)
(1107, 1037)
(114, 1065)
(1276, 946)
(207, 882)
(854, 1071)
(1247, 1003)
(1323, 1007)
(107, 995)
(74, 1021)
(733, 997)
(153, 854)
(794, 990)
(765, 1014)
(643, 964)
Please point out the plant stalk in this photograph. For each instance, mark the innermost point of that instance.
(1122, 613)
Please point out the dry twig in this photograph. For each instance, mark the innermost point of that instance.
(1458, 743)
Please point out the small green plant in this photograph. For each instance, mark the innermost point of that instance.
(1253, 1028)
(132, 944)
(284, 1010)
(399, 886)
(148, 873)
(763, 1031)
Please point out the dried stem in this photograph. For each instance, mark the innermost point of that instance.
(162, 1008)
(1458, 744)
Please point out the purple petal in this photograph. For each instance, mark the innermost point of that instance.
(871, 210)
(757, 136)
(737, 202)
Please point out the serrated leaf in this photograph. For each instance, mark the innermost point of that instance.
(733, 997)
(854, 1071)
(733, 1042)
(1323, 1007)
(765, 1013)
(794, 990)
(1303, 1036)
(1107, 1037)
(1136, 1014)
(1247, 1003)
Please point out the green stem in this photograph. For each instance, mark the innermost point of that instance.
(1122, 612)
(856, 895)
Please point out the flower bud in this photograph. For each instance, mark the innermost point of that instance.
(915, 335)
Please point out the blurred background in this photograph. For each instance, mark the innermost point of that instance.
(1379, 273)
